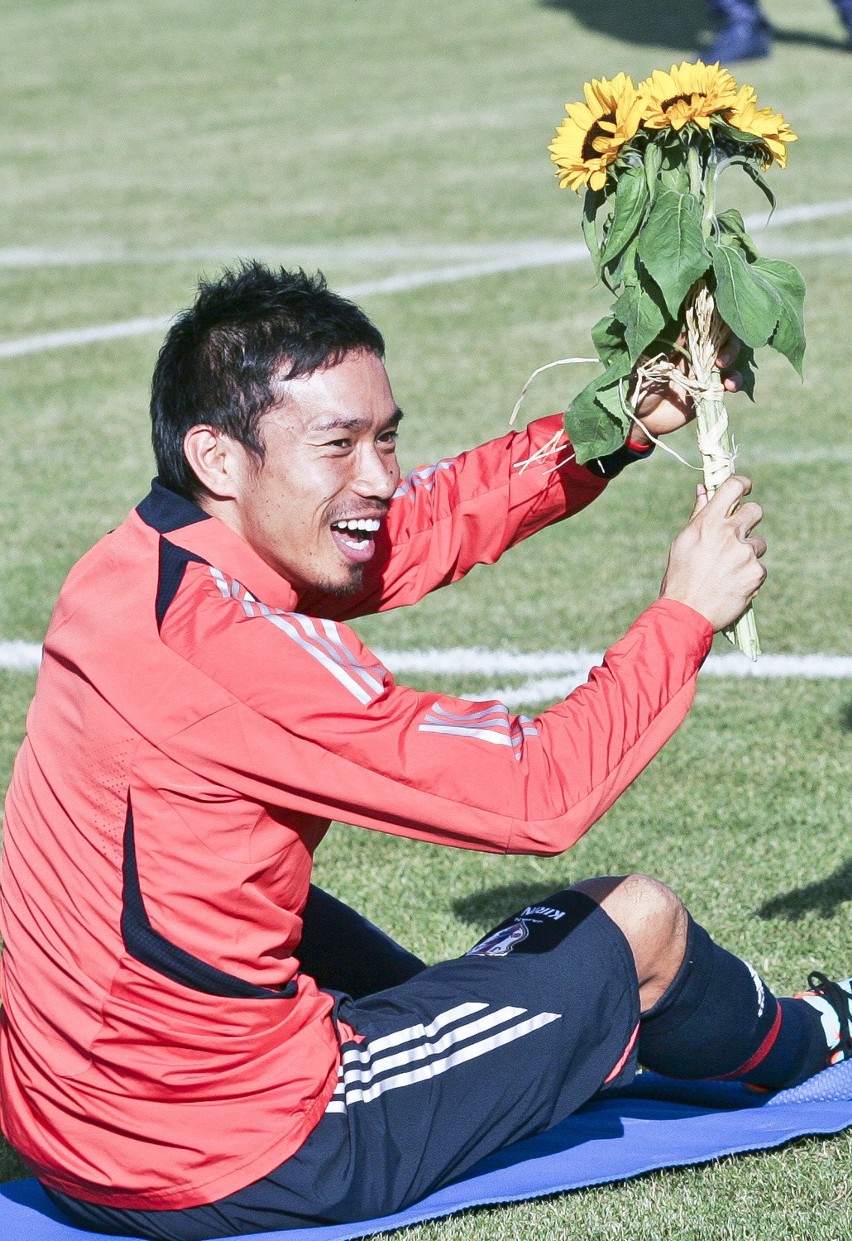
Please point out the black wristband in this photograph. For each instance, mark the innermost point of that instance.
(614, 462)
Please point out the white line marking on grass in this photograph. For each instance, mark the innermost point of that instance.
(520, 258)
(483, 662)
(768, 667)
(549, 674)
(389, 250)
(19, 656)
(479, 661)
(500, 258)
(803, 214)
(574, 667)
(795, 456)
(538, 254)
(83, 336)
(811, 249)
(343, 253)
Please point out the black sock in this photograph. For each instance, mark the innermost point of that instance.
(719, 1020)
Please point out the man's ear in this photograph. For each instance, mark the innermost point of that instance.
(215, 459)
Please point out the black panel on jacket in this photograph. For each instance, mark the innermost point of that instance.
(161, 955)
(173, 562)
(165, 510)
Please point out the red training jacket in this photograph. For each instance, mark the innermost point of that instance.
(195, 728)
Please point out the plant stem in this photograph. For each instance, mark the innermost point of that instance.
(704, 331)
(693, 164)
(709, 215)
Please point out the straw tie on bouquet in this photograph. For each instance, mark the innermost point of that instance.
(648, 160)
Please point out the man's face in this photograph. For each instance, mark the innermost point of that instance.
(312, 508)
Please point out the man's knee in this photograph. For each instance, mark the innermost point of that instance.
(652, 918)
(637, 903)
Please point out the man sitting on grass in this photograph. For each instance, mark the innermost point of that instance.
(195, 1042)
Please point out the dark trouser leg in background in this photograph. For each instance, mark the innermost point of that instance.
(844, 8)
(743, 32)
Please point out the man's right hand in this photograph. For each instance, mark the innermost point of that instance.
(714, 564)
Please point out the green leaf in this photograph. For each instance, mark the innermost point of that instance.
(761, 184)
(732, 232)
(595, 421)
(671, 246)
(608, 338)
(644, 319)
(753, 171)
(675, 178)
(789, 335)
(592, 200)
(747, 299)
(631, 201)
(746, 366)
(626, 271)
(652, 161)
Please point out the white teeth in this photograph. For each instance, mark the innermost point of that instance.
(364, 525)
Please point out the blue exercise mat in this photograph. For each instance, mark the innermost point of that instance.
(656, 1123)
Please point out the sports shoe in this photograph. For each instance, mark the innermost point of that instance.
(833, 1002)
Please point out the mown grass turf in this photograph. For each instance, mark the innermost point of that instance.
(143, 145)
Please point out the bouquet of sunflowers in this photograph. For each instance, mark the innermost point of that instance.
(647, 160)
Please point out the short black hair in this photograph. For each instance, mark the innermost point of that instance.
(224, 357)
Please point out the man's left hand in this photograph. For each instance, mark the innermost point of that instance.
(668, 408)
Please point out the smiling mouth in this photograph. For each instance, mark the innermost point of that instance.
(355, 537)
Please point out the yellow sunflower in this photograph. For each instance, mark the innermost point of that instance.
(770, 127)
(688, 92)
(593, 133)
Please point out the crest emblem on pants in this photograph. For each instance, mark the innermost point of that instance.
(500, 943)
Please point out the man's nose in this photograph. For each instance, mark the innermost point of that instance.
(378, 474)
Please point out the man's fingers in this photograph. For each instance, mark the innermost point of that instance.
(761, 579)
(701, 500)
(729, 351)
(715, 561)
(726, 506)
(746, 517)
(729, 494)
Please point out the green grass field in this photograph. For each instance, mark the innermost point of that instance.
(144, 145)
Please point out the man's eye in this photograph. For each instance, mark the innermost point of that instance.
(389, 437)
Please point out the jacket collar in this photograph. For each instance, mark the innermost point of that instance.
(188, 526)
(165, 510)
